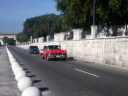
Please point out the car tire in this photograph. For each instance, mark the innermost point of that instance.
(42, 57)
(64, 59)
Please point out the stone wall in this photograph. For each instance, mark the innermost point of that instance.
(110, 51)
(59, 36)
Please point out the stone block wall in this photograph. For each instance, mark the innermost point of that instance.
(111, 51)
(59, 36)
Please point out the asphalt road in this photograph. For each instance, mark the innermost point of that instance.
(72, 77)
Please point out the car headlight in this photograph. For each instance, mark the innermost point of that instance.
(41, 51)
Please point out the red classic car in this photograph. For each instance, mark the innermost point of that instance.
(53, 52)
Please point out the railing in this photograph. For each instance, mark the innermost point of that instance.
(85, 34)
(51, 38)
(68, 35)
(120, 30)
(45, 39)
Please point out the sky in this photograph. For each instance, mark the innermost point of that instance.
(13, 13)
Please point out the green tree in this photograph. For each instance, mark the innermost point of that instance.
(38, 26)
(5, 40)
(9, 41)
(22, 38)
(79, 13)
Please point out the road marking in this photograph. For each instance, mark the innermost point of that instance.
(87, 73)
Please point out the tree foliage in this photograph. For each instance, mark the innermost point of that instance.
(5, 40)
(39, 26)
(9, 41)
(22, 37)
(79, 13)
(75, 14)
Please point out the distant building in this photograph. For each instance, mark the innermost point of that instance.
(7, 35)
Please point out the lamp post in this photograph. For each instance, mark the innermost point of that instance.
(93, 27)
(48, 24)
(93, 12)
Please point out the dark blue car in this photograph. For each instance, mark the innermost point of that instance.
(33, 49)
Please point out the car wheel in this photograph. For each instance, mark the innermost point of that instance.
(64, 59)
(42, 57)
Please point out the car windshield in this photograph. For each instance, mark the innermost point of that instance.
(54, 47)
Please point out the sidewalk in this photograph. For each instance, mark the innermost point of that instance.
(8, 85)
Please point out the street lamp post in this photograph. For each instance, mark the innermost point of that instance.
(93, 12)
(48, 24)
(93, 27)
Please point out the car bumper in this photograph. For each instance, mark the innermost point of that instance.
(60, 55)
(36, 52)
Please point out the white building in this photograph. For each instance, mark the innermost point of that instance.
(7, 35)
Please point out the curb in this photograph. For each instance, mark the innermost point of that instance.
(24, 83)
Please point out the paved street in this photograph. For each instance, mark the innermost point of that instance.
(8, 85)
(72, 77)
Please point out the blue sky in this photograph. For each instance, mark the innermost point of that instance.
(13, 13)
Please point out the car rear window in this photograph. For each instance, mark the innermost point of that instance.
(33, 47)
(53, 47)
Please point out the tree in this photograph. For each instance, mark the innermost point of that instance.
(38, 26)
(72, 12)
(22, 38)
(9, 41)
(5, 40)
(79, 13)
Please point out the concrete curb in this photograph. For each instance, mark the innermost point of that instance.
(24, 82)
(27, 83)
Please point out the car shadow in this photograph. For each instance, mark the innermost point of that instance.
(68, 59)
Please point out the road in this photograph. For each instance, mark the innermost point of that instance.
(72, 77)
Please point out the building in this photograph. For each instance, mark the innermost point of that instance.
(7, 35)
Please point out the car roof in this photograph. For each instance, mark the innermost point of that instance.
(32, 46)
(53, 45)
